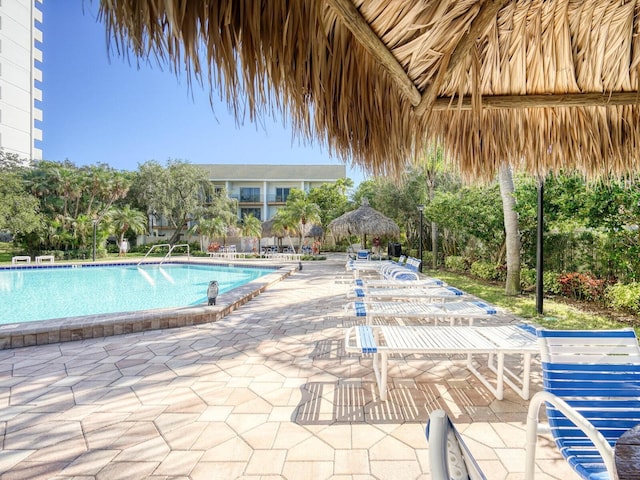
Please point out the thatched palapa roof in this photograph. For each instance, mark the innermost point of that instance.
(541, 84)
(363, 221)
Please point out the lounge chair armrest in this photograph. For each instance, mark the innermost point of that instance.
(601, 444)
(437, 428)
(348, 345)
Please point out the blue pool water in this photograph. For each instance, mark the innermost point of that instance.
(44, 293)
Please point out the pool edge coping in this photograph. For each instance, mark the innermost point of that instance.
(43, 332)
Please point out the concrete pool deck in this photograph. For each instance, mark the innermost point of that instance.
(267, 392)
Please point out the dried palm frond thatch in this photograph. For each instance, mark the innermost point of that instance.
(267, 229)
(313, 231)
(541, 85)
(363, 221)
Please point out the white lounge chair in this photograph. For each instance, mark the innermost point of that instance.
(451, 311)
(383, 268)
(20, 258)
(399, 283)
(424, 294)
(490, 342)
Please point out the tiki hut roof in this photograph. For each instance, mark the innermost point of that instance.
(313, 231)
(539, 84)
(267, 229)
(363, 221)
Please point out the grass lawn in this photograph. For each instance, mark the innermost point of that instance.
(557, 315)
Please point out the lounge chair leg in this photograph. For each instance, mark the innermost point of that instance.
(500, 379)
(380, 371)
(383, 376)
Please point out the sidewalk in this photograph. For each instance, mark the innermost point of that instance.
(267, 392)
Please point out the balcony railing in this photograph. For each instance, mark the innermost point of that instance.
(246, 198)
(277, 198)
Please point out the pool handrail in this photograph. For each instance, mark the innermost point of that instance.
(168, 255)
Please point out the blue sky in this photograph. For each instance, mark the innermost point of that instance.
(99, 108)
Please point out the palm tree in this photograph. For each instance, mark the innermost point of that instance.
(252, 228)
(285, 224)
(82, 227)
(125, 219)
(512, 233)
(206, 228)
(219, 229)
(303, 211)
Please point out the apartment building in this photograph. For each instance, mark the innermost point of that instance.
(262, 189)
(20, 77)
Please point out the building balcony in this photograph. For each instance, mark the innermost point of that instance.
(247, 199)
(276, 199)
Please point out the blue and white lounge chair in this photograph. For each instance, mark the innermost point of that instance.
(477, 343)
(368, 265)
(449, 456)
(421, 282)
(592, 396)
(423, 294)
(451, 311)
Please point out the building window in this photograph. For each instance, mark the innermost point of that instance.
(282, 194)
(218, 190)
(250, 194)
(256, 212)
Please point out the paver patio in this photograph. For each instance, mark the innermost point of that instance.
(268, 392)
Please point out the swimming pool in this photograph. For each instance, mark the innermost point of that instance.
(34, 294)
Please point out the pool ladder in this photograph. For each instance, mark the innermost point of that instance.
(168, 255)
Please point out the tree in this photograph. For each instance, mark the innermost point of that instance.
(301, 211)
(126, 218)
(470, 218)
(284, 223)
(204, 228)
(220, 228)
(252, 228)
(512, 233)
(434, 173)
(176, 191)
(19, 210)
(332, 199)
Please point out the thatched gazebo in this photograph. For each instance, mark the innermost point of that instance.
(313, 231)
(267, 229)
(537, 84)
(363, 221)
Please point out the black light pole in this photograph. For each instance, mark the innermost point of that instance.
(420, 209)
(95, 232)
(540, 249)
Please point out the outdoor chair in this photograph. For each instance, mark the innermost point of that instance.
(592, 396)
(363, 255)
(477, 343)
(451, 311)
(398, 283)
(408, 271)
(423, 294)
(449, 456)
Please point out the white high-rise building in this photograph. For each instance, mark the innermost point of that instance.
(20, 77)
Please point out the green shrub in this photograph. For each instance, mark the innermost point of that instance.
(551, 283)
(624, 297)
(456, 263)
(527, 278)
(485, 270)
(313, 257)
